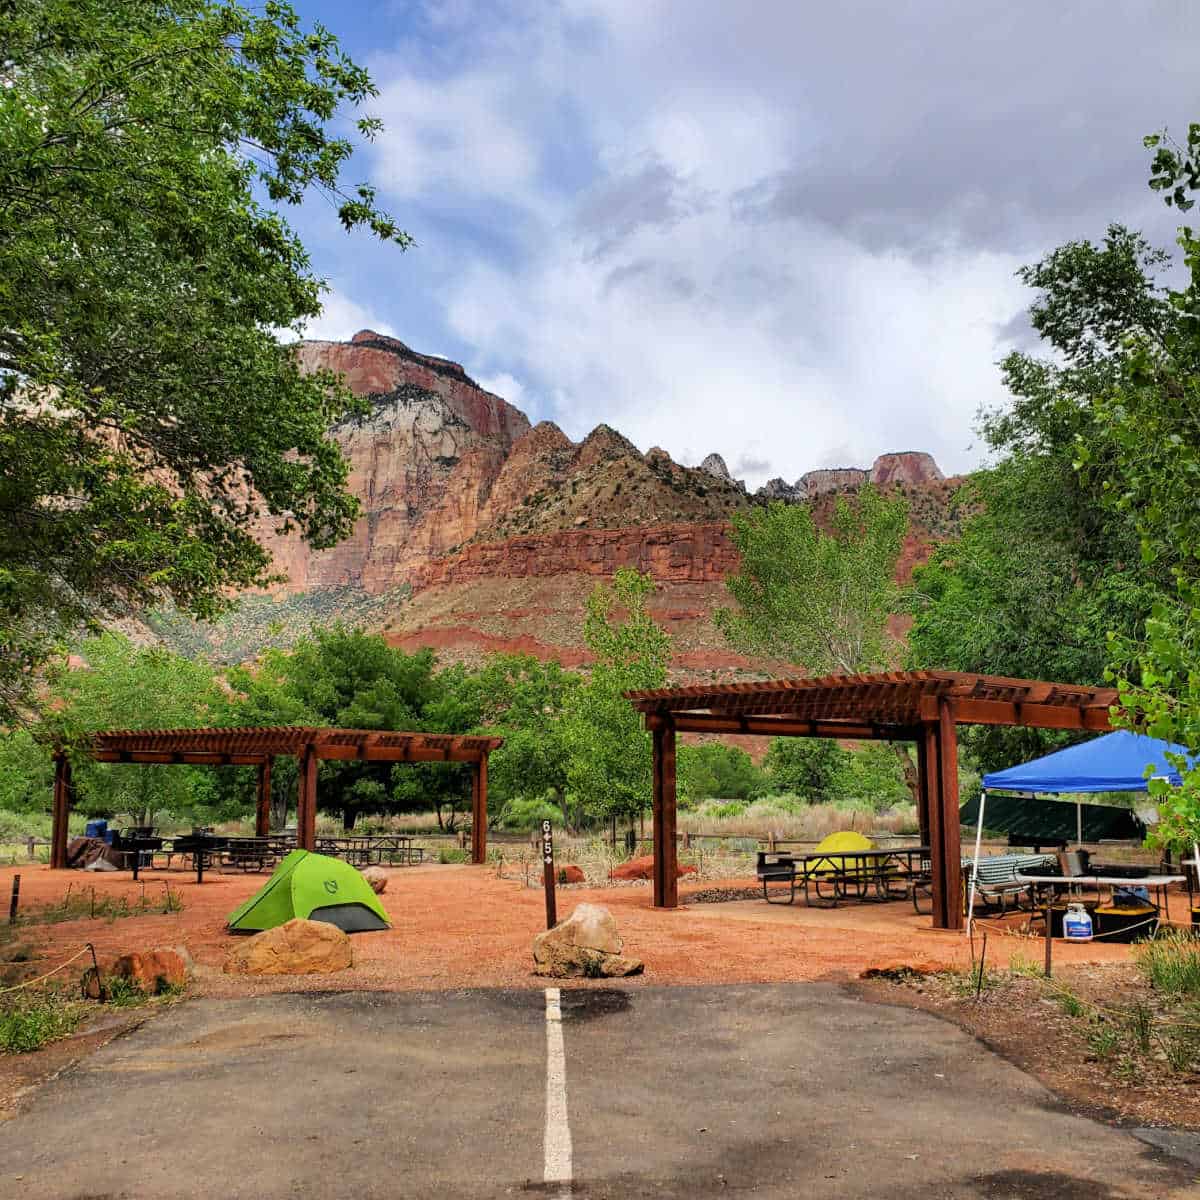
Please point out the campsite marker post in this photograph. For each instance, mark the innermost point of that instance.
(548, 872)
(16, 899)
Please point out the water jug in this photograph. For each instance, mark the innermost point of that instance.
(1077, 924)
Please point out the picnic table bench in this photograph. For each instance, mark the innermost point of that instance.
(882, 873)
(366, 850)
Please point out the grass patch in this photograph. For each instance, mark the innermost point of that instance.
(1171, 964)
(452, 854)
(32, 1019)
(80, 903)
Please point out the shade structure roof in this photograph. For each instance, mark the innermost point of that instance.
(242, 744)
(1116, 762)
(879, 705)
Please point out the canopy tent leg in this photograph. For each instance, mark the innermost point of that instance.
(262, 815)
(479, 811)
(975, 864)
(666, 883)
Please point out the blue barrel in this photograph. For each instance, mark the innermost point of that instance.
(97, 828)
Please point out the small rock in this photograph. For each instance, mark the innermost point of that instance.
(151, 971)
(571, 874)
(377, 877)
(295, 948)
(586, 943)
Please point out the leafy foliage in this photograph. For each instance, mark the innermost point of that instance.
(805, 766)
(819, 600)
(715, 770)
(149, 417)
(1045, 569)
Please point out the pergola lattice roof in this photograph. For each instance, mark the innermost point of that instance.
(248, 745)
(876, 705)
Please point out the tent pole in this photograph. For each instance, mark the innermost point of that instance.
(975, 866)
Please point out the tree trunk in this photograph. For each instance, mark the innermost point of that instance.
(349, 816)
(912, 777)
(278, 809)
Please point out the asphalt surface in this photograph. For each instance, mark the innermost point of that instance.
(773, 1090)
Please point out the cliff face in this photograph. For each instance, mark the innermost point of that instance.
(498, 531)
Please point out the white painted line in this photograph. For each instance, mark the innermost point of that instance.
(558, 1132)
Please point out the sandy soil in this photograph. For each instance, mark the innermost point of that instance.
(463, 927)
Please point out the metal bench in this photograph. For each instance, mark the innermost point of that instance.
(776, 867)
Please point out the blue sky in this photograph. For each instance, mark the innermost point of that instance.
(783, 231)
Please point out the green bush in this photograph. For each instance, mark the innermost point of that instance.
(714, 770)
(452, 854)
(30, 1020)
(527, 812)
(1171, 964)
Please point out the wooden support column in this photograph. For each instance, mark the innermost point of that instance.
(60, 812)
(923, 788)
(262, 815)
(950, 831)
(306, 809)
(666, 882)
(479, 811)
(933, 811)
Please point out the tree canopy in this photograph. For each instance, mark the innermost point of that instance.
(150, 418)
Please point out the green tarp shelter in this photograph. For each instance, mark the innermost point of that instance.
(1030, 821)
(314, 887)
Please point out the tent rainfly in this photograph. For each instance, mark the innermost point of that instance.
(314, 887)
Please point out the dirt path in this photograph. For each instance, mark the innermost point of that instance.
(462, 927)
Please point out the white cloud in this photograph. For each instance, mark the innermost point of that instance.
(341, 318)
(786, 233)
(504, 385)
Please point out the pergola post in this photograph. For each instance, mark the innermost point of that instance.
(923, 788)
(934, 813)
(306, 808)
(60, 811)
(479, 810)
(951, 829)
(666, 872)
(262, 816)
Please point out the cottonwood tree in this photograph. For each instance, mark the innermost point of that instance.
(149, 414)
(820, 600)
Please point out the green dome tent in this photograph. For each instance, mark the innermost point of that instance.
(314, 887)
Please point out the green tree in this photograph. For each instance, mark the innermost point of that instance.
(713, 770)
(1044, 568)
(806, 767)
(150, 420)
(348, 678)
(122, 686)
(608, 753)
(1150, 479)
(820, 600)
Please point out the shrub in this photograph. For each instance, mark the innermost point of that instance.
(528, 812)
(1171, 964)
(32, 1019)
(452, 854)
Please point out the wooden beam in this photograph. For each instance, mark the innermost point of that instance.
(951, 843)
(196, 758)
(1017, 713)
(479, 812)
(373, 753)
(778, 727)
(262, 813)
(306, 808)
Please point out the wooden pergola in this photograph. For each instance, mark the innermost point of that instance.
(260, 746)
(924, 707)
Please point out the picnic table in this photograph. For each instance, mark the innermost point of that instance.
(873, 874)
(1052, 884)
(365, 850)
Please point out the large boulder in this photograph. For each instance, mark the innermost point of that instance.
(586, 943)
(643, 868)
(377, 877)
(569, 873)
(295, 948)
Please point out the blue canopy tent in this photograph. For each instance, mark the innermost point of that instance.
(1117, 762)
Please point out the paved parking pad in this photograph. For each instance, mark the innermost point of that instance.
(773, 1090)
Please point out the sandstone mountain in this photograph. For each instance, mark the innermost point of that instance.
(481, 533)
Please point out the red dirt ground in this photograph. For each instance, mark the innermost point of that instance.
(463, 927)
